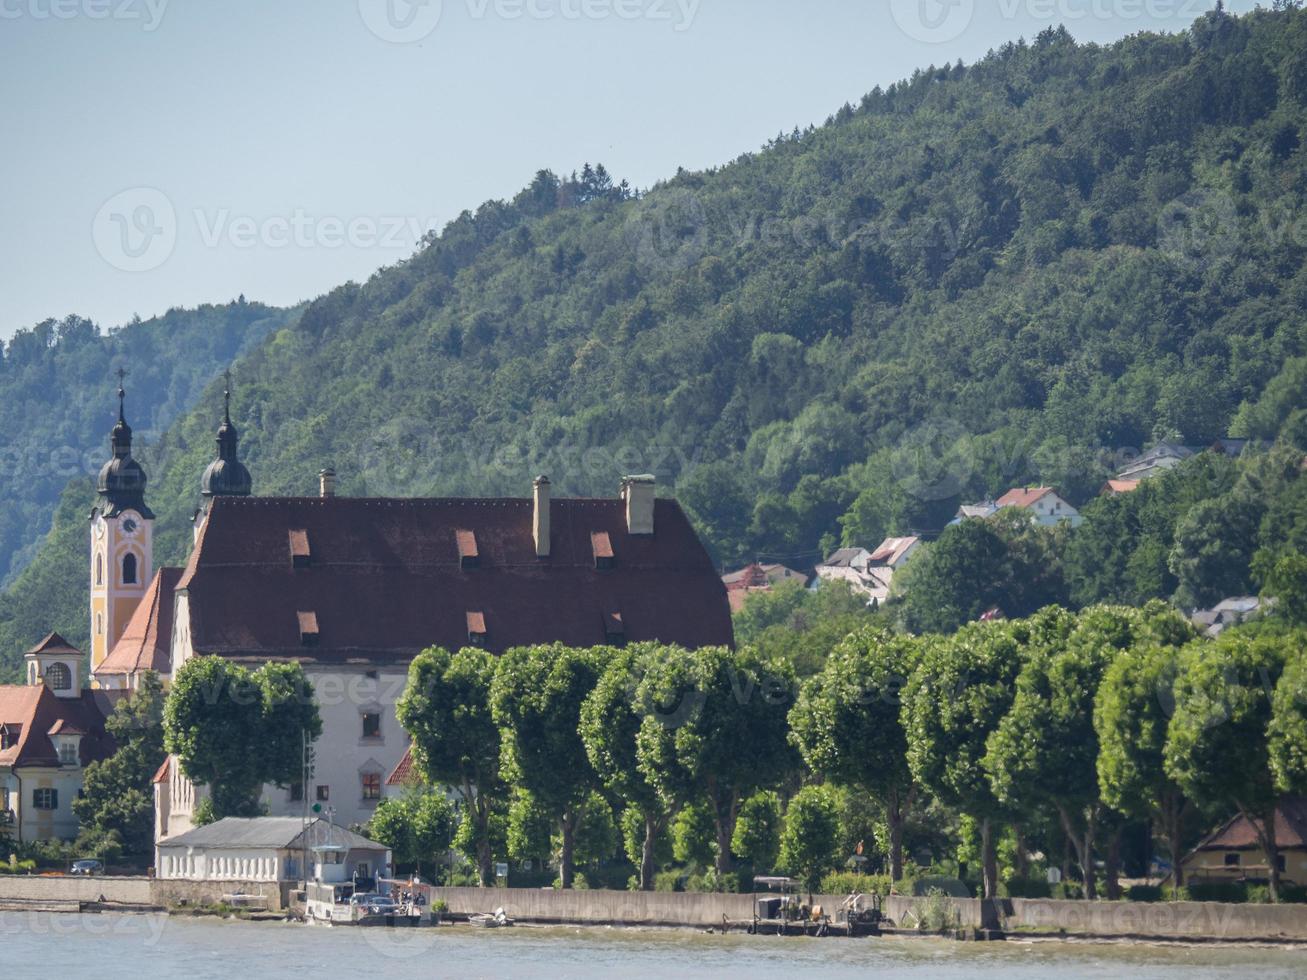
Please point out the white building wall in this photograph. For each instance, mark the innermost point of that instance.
(218, 864)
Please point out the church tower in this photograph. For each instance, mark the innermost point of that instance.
(122, 546)
(226, 476)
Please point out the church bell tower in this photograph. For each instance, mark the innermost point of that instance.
(122, 546)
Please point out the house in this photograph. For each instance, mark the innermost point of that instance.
(50, 730)
(869, 573)
(1043, 505)
(980, 511)
(1226, 613)
(757, 577)
(1162, 457)
(265, 855)
(1233, 854)
(403, 777)
(1114, 488)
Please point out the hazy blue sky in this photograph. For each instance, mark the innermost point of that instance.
(170, 152)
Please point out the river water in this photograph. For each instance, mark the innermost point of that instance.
(112, 947)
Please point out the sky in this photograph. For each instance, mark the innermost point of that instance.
(161, 153)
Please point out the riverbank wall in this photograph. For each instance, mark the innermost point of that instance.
(1179, 921)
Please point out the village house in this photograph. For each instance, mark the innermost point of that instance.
(1114, 488)
(869, 573)
(1162, 457)
(757, 577)
(1043, 505)
(50, 730)
(353, 589)
(1232, 853)
(974, 512)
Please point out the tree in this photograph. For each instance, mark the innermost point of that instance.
(1286, 583)
(847, 724)
(536, 700)
(757, 836)
(234, 729)
(714, 726)
(958, 694)
(954, 580)
(117, 796)
(1131, 714)
(1288, 729)
(1044, 751)
(446, 709)
(1218, 744)
(811, 836)
(610, 724)
(1213, 550)
(417, 826)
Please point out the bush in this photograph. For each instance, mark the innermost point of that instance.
(935, 913)
(1258, 894)
(846, 883)
(1026, 888)
(1069, 890)
(1144, 893)
(17, 868)
(1218, 891)
(669, 881)
(710, 882)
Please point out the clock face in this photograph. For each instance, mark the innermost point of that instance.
(130, 525)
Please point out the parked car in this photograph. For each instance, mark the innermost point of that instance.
(87, 866)
(381, 905)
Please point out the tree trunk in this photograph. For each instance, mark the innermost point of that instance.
(481, 810)
(988, 859)
(1173, 817)
(567, 827)
(1022, 855)
(485, 872)
(1083, 844)
(894, 817)
(1114, 866)
(724, 820)
(1264, 827)
(647, 868)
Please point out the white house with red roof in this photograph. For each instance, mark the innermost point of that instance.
(1043, 504)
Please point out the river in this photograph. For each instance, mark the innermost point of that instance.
(113, 947)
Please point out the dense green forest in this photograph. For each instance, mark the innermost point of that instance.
(57, 403)
(983, 276)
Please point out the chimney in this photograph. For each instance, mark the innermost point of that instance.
(327, 482)
(540, 516)
(638, 492)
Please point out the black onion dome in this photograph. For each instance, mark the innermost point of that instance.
(226, 476)
(122, 480)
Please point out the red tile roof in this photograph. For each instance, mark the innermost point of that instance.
(146, 643)
(1120, 486)
(403, 773)
(161, 774)
(1238, 833)
(55, 644)
(388, 577)
(33, 713)
(1023, 496)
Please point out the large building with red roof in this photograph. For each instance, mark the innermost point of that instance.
(353, 589)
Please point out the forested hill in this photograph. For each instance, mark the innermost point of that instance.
(57, 401)
(1031, 264)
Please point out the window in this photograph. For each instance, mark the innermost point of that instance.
(324, 794)
(372, 786)
(371, 725)
(308, 628)
(129, 569)
(468, 555)
(8, 739)
(300, 554)
(45, 799)
(476, 629)
(1232, 860)
(68, 753)
(296, 792)
(99, 569)
(602, 547)
(4, 799)
(99, 624)
(58, 677)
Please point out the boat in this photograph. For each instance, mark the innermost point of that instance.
(498, 919)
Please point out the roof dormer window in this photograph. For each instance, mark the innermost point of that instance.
(300, 555)
(468, 556)
(614, 629)
(58, 677)
(308, 622)
(9, 736)
(602, 546)
(476, 629)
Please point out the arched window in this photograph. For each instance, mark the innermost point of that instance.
(58, 677)
(99, 624)
(99, 569)
(129, 569)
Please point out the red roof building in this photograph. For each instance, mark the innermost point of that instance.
(146, 643)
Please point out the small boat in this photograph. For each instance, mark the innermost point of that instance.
(498, 919)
